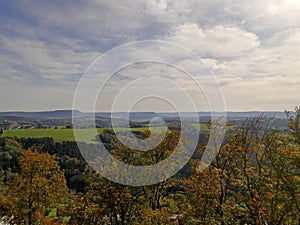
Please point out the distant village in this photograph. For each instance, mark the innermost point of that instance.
(24, 123)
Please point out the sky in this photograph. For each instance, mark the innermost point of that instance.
(250, 47)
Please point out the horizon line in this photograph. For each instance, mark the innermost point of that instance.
(71, 110)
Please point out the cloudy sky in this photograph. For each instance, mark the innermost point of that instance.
(251, 46)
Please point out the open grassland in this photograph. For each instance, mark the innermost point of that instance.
(61, 134)
(86, 135)
(205, 127)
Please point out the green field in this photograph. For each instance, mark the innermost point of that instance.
(60, 134)
(205, 128)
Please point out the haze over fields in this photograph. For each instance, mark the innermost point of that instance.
(252, 47)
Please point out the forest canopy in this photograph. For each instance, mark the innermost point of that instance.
(254, 179)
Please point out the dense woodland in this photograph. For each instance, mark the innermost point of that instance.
(255, 179)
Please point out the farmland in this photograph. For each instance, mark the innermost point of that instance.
(60, 134)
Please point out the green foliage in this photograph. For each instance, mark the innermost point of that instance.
(10, 151)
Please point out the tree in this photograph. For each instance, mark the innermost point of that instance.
(294, 123)
(254, 179)
(155, 193)
(10, 151)
(121, 204)
(108, 201)
(40, 187)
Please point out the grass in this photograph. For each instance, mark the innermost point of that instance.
(60, 134)
(205, 128)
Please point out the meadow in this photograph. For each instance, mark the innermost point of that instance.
(66, 134)
(60, 134)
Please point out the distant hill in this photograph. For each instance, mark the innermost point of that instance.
(57, 114)
(134, 116)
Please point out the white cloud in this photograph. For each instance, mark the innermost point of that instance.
(266, 78)
(217, 41)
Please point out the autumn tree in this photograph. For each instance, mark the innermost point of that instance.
(202, 191)
(122, 204)
(254, 179)
(39, 188)
(294, 123)
(108, 201)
